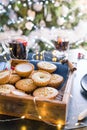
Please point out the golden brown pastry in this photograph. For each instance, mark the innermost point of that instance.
(25, 85)
(41, 78)
(6, 88)
(4, 76)
(47, 66)
(46, 92)
(24, 69)
(56, 80)
(14, 78)
(30, 76)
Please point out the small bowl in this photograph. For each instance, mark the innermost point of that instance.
(83, 82)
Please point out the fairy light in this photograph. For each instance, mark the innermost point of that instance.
(39, 117)
(28, 18)
(18, 21)
(46, 2)
(19, 2)
(53, 1)
(22, 117)
(24, 5)
(77, 124)
(30, 3)
(8, 120)
(10, 48)
(5, 58)
(37, 55)
(20, 18)
(9, 6)
(59, 126)
(54, 59)
(23, 127)
(41, 57)
(41, 3)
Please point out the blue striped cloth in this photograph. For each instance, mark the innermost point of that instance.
(62, 69)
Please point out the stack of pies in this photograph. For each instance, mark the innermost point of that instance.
(26, 80)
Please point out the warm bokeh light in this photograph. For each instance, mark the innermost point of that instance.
(39, 117)
(59, 126)
(23, 128)
(22, 117)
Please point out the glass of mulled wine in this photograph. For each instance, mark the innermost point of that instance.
(62, 46)
(18, 48)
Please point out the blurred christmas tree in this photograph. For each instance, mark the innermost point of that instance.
(28, 15)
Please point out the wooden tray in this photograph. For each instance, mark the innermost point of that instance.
(50, 111)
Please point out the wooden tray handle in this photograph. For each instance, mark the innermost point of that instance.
(71, 66)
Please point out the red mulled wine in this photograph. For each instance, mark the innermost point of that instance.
(18, 49)
(62, 44)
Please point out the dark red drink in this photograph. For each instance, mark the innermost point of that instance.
(18, 49)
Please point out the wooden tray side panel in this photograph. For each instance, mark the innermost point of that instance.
(16, 106)
(51, 112)
(67, 92)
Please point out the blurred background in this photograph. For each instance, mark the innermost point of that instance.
(42, 22)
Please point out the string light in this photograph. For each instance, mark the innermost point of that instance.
(30, 3)
(22, 117)
(5, 58)
(18, 21)
(23, 127)
(79, 123)
(39, 117)
(46, 2)
(24, 5)
(53, 1)
(18, 2)
(8, 120)
(59, 126)
(9, 6)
